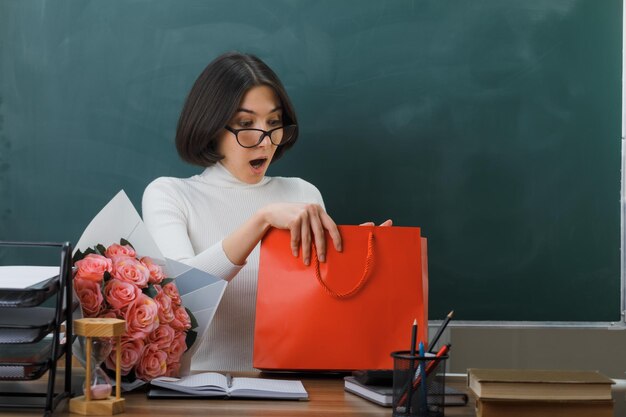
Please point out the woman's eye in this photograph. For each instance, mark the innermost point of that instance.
(275, 123)
(244, 123)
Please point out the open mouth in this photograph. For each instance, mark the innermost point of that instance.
(258, 163)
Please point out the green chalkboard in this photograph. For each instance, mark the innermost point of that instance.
(492, 124)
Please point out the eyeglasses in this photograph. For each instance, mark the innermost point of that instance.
(249, 138)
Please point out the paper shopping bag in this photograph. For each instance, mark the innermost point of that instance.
(347, 313)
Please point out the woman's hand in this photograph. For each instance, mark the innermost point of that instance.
(387, 222)
(307, 224)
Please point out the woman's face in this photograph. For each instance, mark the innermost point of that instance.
(260, 108)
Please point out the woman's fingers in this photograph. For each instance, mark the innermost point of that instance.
(387, 222)
(333, 231)
(307, 224)
(296, 232)
(318, 232)
(305, 239)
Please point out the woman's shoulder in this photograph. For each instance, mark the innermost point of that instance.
(166, 184)
(293, 182)
(170, 186)
(296, 184)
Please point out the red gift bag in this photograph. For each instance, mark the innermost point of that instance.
(347, 313)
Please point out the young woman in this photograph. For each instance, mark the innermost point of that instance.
(235, 122)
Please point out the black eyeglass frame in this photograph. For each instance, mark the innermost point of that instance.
(265, 133)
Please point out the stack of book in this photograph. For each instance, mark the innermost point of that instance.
(533, 393)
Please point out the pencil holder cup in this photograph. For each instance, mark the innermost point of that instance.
(418, 385)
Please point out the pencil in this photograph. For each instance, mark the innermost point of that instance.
(423, 397)
(412, 363)
(431, 345)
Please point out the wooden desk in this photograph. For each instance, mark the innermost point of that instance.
(327, 398)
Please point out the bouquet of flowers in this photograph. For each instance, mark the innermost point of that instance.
(166, 304)
(114, 282)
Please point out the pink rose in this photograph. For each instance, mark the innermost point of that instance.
(153, 363)
(142, 317)
(166, 313)
(109, 314)
(172, 291)
(92, 267)
(173, 369)
(132, 349)
(178, 347)
(89, 295)
(131, 270)
(156, 272)
(116, 250)
(181, 320)
(162, 337)
(121, 314)
(120, 294)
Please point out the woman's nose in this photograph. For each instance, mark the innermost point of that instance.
(266, 141)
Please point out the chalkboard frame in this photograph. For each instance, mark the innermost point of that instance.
(316, 74)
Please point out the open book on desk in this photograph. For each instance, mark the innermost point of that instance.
(213, 384)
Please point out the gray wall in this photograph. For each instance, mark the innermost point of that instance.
(600, 349)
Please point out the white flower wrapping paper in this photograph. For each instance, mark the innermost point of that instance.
(200, 291)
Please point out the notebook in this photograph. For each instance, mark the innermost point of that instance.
(214, 384)
(383, 394)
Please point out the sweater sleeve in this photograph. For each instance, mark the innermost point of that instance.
(165, 216)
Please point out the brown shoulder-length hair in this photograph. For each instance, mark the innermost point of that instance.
(214, 99)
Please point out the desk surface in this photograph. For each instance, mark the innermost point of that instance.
(327, 398)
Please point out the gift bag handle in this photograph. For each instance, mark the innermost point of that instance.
(369, 261)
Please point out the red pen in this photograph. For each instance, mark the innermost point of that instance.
(429, 368)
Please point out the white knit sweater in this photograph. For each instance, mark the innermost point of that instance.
(188, 218)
